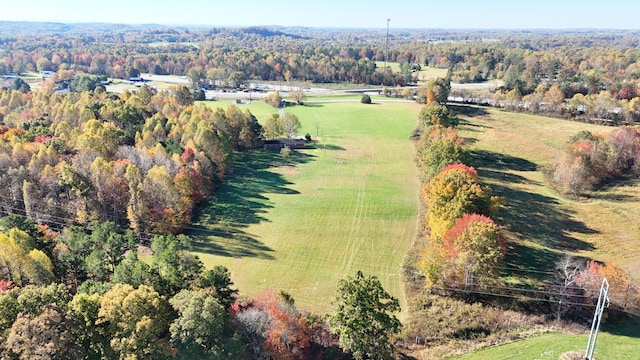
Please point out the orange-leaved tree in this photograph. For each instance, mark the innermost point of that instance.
(623, 291)
(274, 328)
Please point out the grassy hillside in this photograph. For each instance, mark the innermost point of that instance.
(303, 223)
(510, 149)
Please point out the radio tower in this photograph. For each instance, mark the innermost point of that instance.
(386, 46)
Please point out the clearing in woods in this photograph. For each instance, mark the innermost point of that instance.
(300, 224)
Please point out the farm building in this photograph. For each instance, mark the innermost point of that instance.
(282, 143)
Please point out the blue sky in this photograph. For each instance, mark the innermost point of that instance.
(460, 14)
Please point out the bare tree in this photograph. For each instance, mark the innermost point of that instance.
(567, 270)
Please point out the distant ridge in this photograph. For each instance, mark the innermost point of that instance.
(8, 28)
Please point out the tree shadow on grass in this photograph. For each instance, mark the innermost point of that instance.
(242, 200)
(470, 111)
(530, 216)
(229, 242)
(484, 159)
(629, 327)
(604, 193)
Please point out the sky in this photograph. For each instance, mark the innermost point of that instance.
(449, 14)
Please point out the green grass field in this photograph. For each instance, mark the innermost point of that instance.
(620, 343)
(301, 224)
(509, 150)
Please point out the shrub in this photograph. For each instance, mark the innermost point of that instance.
(366, 99)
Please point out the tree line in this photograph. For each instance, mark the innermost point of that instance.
(463, 241)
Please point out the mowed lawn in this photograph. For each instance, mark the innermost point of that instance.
(348, 203)
(510, 149)
(549, 347)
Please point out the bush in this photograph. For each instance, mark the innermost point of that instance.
(441, 319)
(366, 99)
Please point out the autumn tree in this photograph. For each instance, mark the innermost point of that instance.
(441, 88)
(136, 320)
(274, 328)
(274, 99)
(474, 246)
(623, 290)
(195, 74)
(83, 309)
(455, 191)
(291, 124)
(21, 263)
(589, 160)
(137, 210)
(29, 300)
(182, 95)
(364, 320)
(554, 99)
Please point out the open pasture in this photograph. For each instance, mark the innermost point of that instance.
(349, 202)
(510, 150)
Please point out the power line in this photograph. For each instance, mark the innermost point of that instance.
(510, 296)
(532, 291)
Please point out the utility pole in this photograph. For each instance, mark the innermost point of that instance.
(386, 46)
(603, 301)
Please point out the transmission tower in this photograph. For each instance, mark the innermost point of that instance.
(603, 302)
